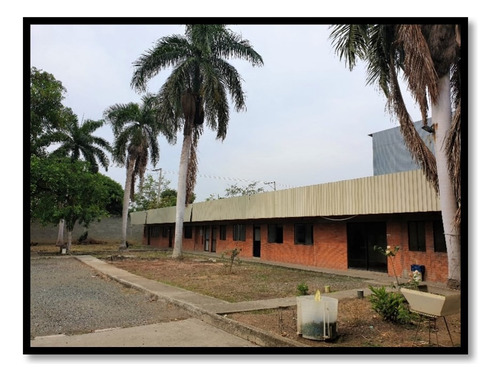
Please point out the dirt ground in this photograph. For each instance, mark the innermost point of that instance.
(357, 324)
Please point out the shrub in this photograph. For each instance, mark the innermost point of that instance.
(390, 305)
(303, 288)
(232, 256)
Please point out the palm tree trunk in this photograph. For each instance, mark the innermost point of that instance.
(126, 200)
(181, 194)
(441, 117)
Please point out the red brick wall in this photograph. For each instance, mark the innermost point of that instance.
(329, 249)
(436, 263)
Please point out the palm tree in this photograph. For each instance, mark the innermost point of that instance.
(195, 92)
(429, 58)
(78, 141)
(136, 130)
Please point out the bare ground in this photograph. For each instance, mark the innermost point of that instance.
(357, 324)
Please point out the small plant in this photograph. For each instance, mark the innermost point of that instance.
(390, 305)
(302, 289)
(232, 256)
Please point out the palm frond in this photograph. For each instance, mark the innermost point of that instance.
(418, 149)
(168, 51)
(228, 44)
(454, 151)
(419, 67)
(350, 42)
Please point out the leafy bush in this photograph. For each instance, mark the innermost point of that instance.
(390, 305)
(303, 288)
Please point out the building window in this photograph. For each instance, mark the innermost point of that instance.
(164, 231)
(155, 231)
(416, 235)
(188, 232)
(275, 233)
(222, 234)
(239, 232)
(303, 234)
(439, 241)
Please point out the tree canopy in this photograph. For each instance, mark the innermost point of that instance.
(77, 141)
(47, 113)
(196, 92)
(64, 189)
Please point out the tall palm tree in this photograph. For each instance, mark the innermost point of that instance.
(195, 92)
(77, 141)
(429, 58)
(136, 131)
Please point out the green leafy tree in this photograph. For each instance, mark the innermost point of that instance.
(47, 113)
(148, 197)
(114, 191)
(61, 188)
(136, 131)
(196, 92)
(250, 189)
(77, 142)
(429, 58)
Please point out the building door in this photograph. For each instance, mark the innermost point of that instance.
(256, 241)
(213, 246)
(206, 238)
(147, 230)
(361, 239)
(170, 236)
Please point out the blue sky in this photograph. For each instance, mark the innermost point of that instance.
(307, 119)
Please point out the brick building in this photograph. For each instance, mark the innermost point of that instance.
(333, 225)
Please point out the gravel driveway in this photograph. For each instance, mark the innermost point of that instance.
(68, 297)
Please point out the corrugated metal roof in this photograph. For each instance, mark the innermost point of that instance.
(402, 192)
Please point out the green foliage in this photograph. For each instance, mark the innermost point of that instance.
(77, 141)
(114, 193)
(250, 189)
(147, 195)
(302, 288)
(47, 112)
(63, 189)
(390, 305)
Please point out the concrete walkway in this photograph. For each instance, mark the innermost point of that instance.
(210, 326)
(190, 333)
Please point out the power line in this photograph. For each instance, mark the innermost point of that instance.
(235, 179)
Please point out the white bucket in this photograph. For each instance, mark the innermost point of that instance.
(317, 319)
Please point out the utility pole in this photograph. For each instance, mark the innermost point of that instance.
(271, 182)
(159, 186)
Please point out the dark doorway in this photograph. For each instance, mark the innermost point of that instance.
(256, 241)
(206, 238)
(170, 236)
(213, 246)
(361, 238)
(147, 230)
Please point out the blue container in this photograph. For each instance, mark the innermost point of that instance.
(419, 268)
